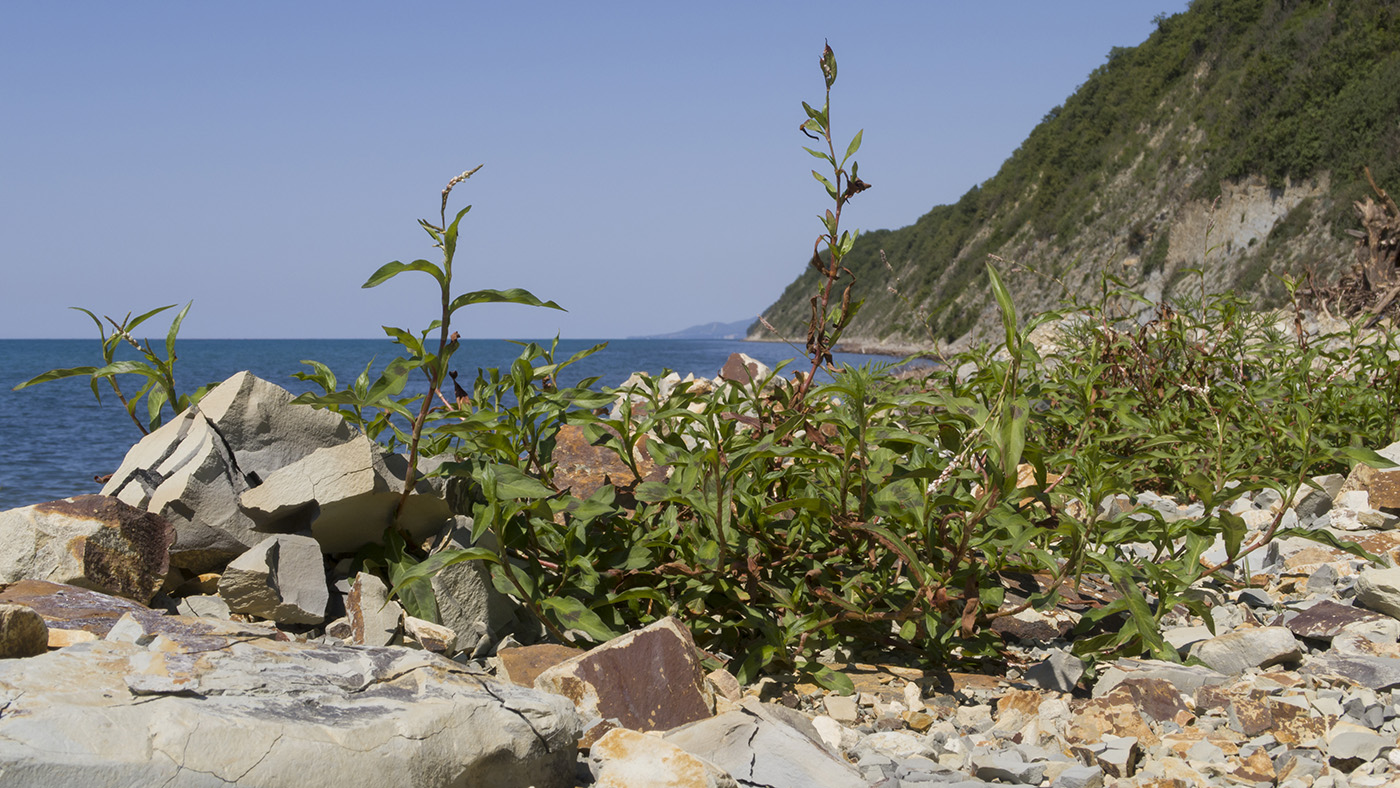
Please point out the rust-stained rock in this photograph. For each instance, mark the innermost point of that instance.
(1293, 726)
(62, 638)
(1156, 698)
(1025, 702)
(70, 607)
(1035, 626)
(1112, 715)
(583, 467)
(740, 368)
(1325, 619)
(92, 541)
(648, 680)
(22, 632)
(523, 664)
(628, 759)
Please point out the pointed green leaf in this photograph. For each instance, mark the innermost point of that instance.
(56, 374)
(573, 614)
(390, 270)
(515, 295)
(174, 330)
(854, 146)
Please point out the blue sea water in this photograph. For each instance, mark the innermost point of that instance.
(55, 437)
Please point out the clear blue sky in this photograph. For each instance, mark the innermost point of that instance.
(642, 161)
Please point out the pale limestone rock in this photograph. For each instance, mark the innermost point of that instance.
(23, 632)
(628, 759)
(282, 579)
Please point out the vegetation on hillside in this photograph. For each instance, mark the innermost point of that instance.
(1227, 89)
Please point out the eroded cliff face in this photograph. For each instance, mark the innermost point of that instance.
(1153, 241)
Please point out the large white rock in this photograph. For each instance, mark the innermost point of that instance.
(347, 494)
(282, 578)
(215, 710)
(759, 745)
(193, 469)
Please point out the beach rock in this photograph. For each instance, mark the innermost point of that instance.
(523, 664)
(647, 680)
(227, 708)
(1060, 671)
(346, 494)
(758, 748)
(1249, 648)
(70, 608)
(1186, 678)
(628, 759)
(468, 601)
(193, 469)
(22, 632)
(282, 579)
(430, 636)
(742, 369)
(1325, 619)
(374, 618)
(1379, 590)
(92, 541)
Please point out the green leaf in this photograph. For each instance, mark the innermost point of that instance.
(56, 374)
(515, 295)
(1007, 307)
(449, 243)
(854, 146)
(174, 330)
(131, 325)
(571, 613)
(390, 270)
(829, 188)
(833, 680)
(1361, 454)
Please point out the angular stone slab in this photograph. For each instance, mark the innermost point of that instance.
(758, 748)
(346, 494)
(259, 712)
(523, 664)
(1242, 649)
(282, 579)
(192, 469)
(73, 608)
(1186, 678)
(1325, 619)
(374, 618)
(647, 680)
(628, 759)
(93, 541)
(1379, 590)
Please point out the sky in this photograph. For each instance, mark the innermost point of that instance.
(642, 161)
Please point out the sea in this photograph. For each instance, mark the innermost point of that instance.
(56, 438)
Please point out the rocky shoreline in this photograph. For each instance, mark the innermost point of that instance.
(201, 623)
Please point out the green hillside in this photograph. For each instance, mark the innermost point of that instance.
(1240, 127)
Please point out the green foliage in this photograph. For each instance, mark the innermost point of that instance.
(158, 387)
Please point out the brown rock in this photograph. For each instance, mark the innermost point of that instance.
(725, 684)
(918, 721)
(648, 680)
(69, 607)
(1293, 726)
(1116, 716)
(1325, 619)
(62, 638)
(22, 632)
(1251, 714)
(93, 541)
(582, 467)
(1257, 768)
(522, 664)
(1026, 702)
(1158, 699)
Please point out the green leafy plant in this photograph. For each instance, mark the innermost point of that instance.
(435, 363)
(158, 387)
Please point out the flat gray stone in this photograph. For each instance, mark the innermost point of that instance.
(763, 751)
(1242, 649)
(198, 710)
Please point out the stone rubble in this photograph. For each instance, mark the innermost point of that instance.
(262, 652)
